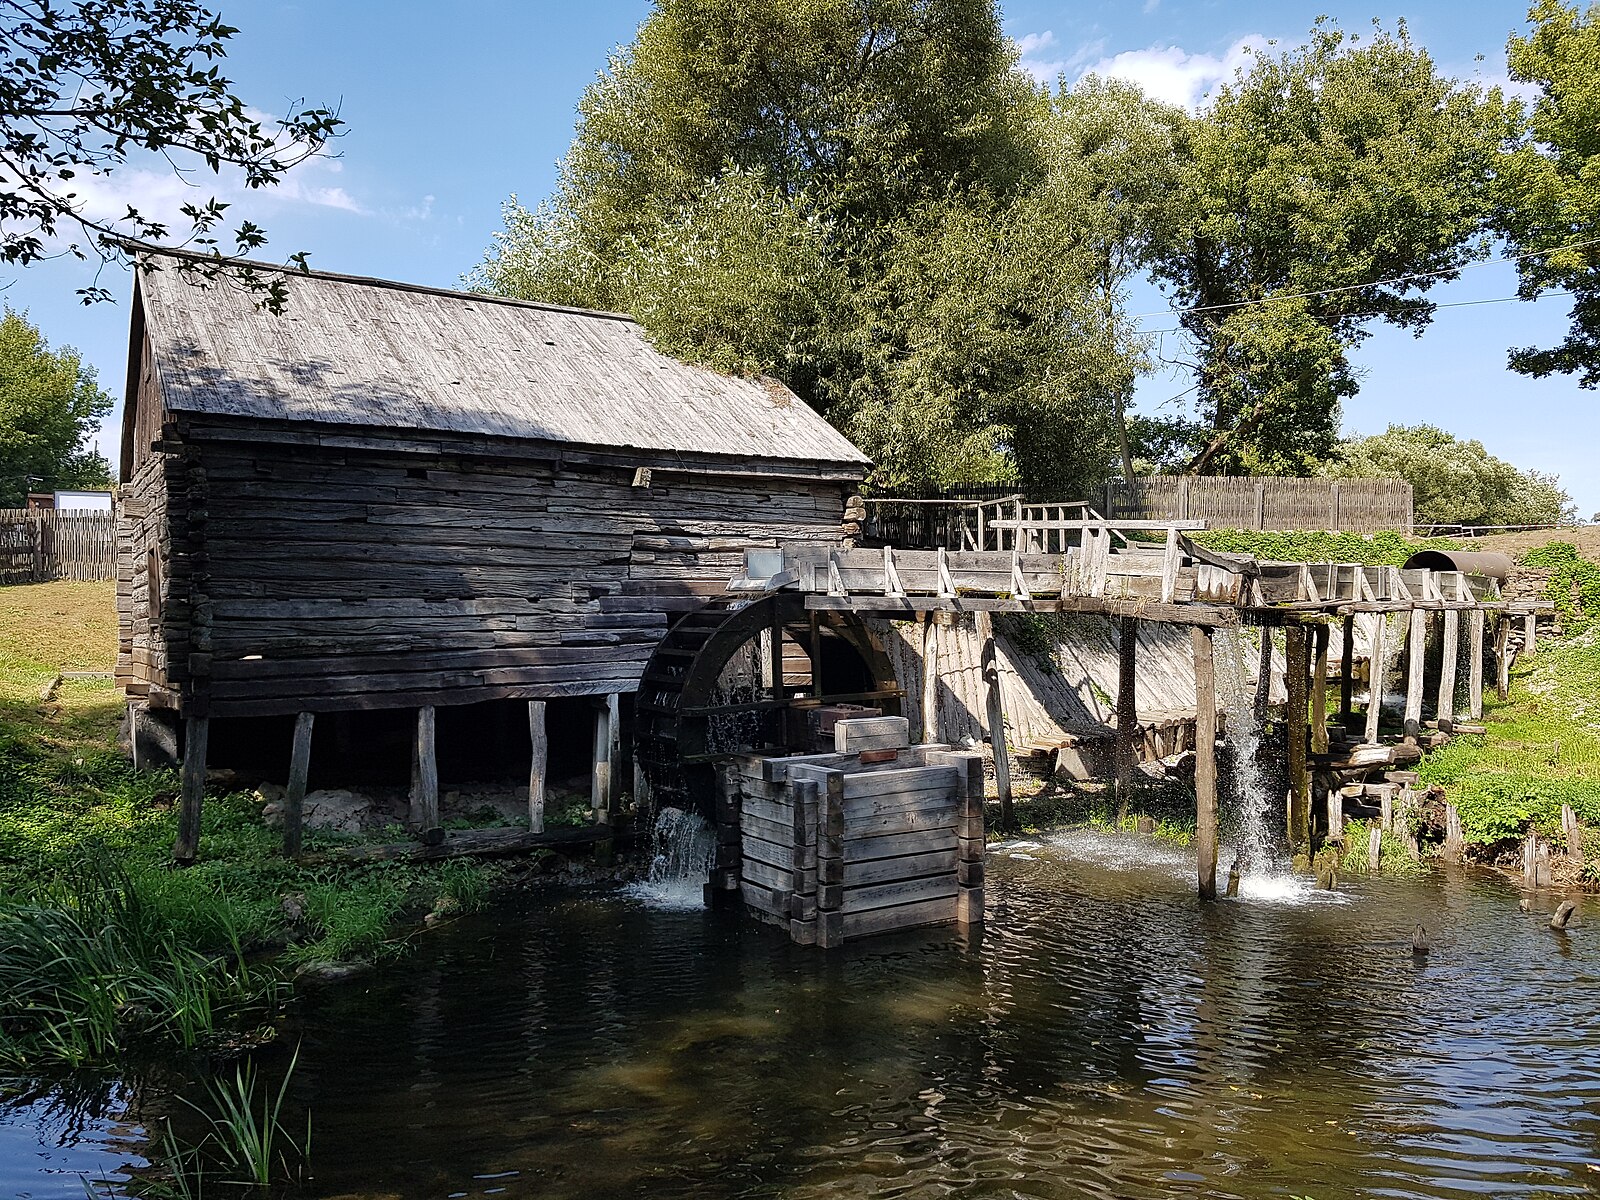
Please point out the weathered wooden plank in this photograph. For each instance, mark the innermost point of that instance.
(905, 866)
(939, 911)
(192, 788)
(295, 792)
(870, 847)
(425, 774)
(901, 892)
(1205, 762)
(538, 765)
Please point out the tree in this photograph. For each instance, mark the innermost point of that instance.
(867, 200)
(1551, 206)
(50, 406)
(87, 88)
(1454, 482)
(1313, 178)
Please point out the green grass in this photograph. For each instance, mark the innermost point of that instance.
(1542, 749)
(1376, 550)
(104, 946)
(1059, 804)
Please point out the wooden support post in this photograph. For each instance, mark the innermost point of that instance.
(995, 710)
(969, 839)
(775, 651)
(830, 860)
(1263, 696)
(1475, 622)
(295, 794)
(1294, 725)
(1450, 649)
(600, 771)
(1502, 657)
(1530, 632)
(1418, 642)
(424, 775)
(1205, 761)
(1374, 849)
(1377, 668)
(539, 758)
(1347, 668)
(1572, 832)
(192, 788)
(814, 621)
(1319, 690)
(930, 679)
(1335, 815)
(614, 737)
(1127, 711)
(1455, 841)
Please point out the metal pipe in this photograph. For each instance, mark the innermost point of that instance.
(1489, 563)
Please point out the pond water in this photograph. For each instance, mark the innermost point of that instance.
(1106, 1036)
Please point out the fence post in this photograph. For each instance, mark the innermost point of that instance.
(1333, 508)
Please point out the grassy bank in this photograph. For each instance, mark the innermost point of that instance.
(103, 945)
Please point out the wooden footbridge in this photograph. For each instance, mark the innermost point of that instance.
(1173, 580)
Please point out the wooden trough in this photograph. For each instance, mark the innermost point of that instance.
(877, 837)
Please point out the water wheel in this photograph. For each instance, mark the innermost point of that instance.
(686, 721)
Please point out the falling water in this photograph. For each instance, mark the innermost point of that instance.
(1249, 793)
(684, 848)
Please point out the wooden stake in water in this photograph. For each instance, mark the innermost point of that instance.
(1205, 761)
(1127, 711)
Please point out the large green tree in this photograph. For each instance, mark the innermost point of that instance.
(1315, 176)
(1551, 210)
(50, 406)
(867, 199)
(1454, 482)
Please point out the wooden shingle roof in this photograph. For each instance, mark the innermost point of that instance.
(367, 352)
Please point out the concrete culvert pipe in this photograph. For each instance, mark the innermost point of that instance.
(1490, 563)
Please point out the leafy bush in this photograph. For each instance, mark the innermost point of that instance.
(1574, 584)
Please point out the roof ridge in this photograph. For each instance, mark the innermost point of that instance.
(391, 284)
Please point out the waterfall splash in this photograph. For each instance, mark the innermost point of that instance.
(1251, 799)
(685, 849)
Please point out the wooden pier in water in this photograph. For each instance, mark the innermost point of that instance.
(1177, 582)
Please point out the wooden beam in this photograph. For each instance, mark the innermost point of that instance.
(814, 625)
(1347, 668)
(1450, 643)
(1212, 616)
(1502, 657)
(1475, 624)
(1417, 641)
(294, 794)
(425, 774)
(930, 679)
(1530, 632)
(1205, 762)
(192, 788)
(1295, 672)
(538, 763)
(1263, 697)
(1377, 668)
(995, 712)
(600, 769)
(1127, 710)
(1319, 690)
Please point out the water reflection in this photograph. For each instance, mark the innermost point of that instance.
(1107, 1036)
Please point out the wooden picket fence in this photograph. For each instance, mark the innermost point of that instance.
(39, 546)
(1264, 502)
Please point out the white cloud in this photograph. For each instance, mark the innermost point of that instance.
(1150, 6)
(1031, 52)
(1172, 74)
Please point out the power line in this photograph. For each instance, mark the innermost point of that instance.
(1453, 304)
(1357, 287)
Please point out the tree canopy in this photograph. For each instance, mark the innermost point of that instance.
(88, 87)
(1454, 482)
(50, 406)
(869, 201)
(1551, 205)
(1314, 177)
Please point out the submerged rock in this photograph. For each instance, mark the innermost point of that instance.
(331, 972)
(1420, 943)
(1563, 914)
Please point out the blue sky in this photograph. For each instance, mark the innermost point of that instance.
(453, 107)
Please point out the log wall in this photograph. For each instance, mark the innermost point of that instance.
(299, 576)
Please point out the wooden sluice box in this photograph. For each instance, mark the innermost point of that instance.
(877, 837)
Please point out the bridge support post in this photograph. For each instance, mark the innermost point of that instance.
(1418, 659)
(600, 774)
(1263, 698)
(1205, 761)
(1475, 624)
(1450, 650)
(1347, 668)
(996, 714)
(1377, 668)
(1127, 711)
(295, 794)
(425, 776)
(1296, 671)
(1319, 689)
